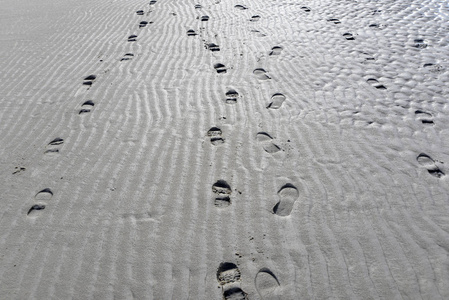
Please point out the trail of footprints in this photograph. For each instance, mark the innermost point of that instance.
(228, 274)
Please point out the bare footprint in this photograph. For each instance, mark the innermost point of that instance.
(375, 83)
(215, 136)
(427, 162)
(276, 101)
(424, 117)
(220, 68)
(276, 50)
(267, 284)
(53, 146)
(261, 74)
(266, 140)
(287, 197)
(86, 107)
(223, 191)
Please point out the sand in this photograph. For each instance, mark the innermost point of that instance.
(224, 149)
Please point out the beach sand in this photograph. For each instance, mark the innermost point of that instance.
(224, 149)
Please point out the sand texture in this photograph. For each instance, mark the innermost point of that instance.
(224, 149)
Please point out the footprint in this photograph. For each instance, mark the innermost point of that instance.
(191, 32)
(266, 140)
(231, 96)
(86, 107)
(127, 56)
(349, 36)
(41, 197)
(132, 38)
(139, 12)
(420, 44)
(228, 273)
(215, 136)
(287, 197)
(198, 6)
(375, 83)
(433, 67)
(427, 162)
(220, 68)
(267, 284)
(241, 7)
(276, 101)
(152, 2)
(213, 47)
(234, 293)
(424, 117)
(89, 80)
(254, 18)
(305, 8)
(276, 50)
(376, 26)
(205, 18)
(335, 21)
(261, 74)
(53, 146)
(143, 24)
(258, 33)
(223, 191)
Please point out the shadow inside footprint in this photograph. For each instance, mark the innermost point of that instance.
(375, 83)
(255, 18)
(261, 74)
(34, 209)
(220, 68)
(205, 18)
(152, 2)
(276, 50)
(287, 197)
(132, 38)
(139, 12)
(223, 191)
(276, 101)
(427, 162)
(143, 24)
(267, 284)
(305, 8)
(266, 140)
(86, 107)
